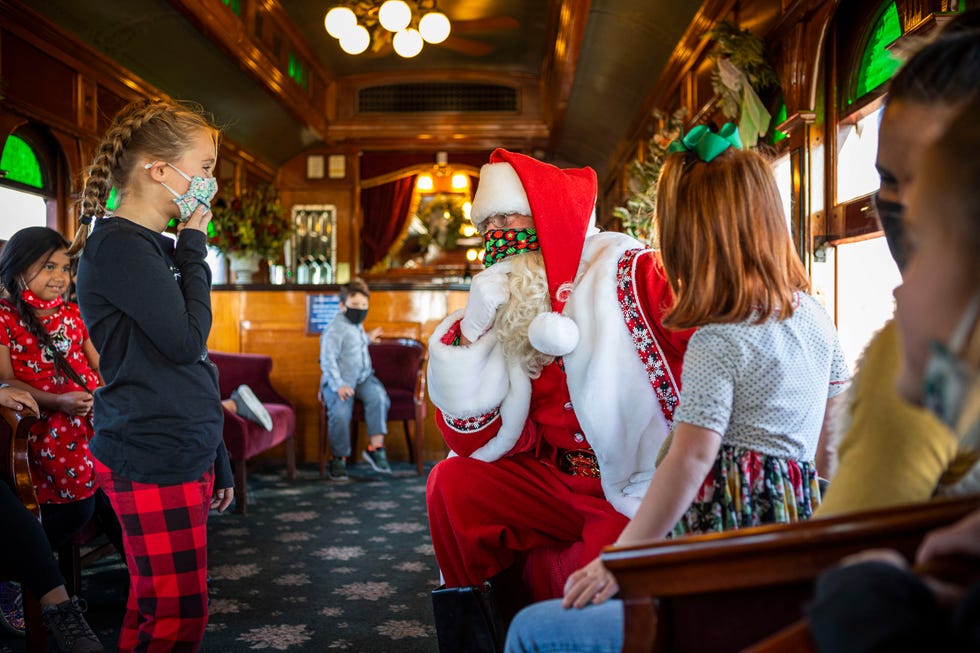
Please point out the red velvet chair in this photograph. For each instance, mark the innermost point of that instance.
(399, 363)
(245, 439)
(15, 472)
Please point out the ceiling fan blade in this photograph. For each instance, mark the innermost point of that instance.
(491, 24)
(466, 46)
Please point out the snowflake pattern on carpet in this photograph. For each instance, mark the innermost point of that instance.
(309, 568)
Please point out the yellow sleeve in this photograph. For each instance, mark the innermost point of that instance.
(892, 452)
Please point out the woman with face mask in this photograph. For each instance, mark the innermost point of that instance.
(146, 301)
(892, 452)
(876, 604)
(348, 374)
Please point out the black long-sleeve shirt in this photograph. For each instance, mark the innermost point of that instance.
(147, 306)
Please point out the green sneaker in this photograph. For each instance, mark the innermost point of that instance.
(377, 459)
(338, 470)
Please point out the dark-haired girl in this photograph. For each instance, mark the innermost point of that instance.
(45, 349)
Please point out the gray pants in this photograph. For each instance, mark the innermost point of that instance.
(376, 403)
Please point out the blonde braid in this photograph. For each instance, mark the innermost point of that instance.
(159, 127)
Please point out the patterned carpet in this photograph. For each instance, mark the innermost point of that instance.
(314, 566)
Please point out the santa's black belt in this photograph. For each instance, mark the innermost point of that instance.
(578, 462)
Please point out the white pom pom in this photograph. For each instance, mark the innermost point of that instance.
(553, 334)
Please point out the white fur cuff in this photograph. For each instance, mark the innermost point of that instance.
(466, 380)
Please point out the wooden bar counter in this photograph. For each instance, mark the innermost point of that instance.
(272, 320)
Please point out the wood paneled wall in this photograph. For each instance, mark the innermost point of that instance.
(273, 322)
(67, 93)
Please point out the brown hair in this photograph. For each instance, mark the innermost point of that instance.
(951, 168)
(161, 128)
(356, 286)
(725, 245)
(946, 71)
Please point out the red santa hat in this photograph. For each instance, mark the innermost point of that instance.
(562, 204)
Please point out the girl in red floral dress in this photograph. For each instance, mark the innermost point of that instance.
(45, 349)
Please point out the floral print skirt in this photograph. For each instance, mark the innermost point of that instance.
(747, 488)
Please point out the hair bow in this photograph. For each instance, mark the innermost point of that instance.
(707, 144)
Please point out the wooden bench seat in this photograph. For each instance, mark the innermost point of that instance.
(726, 591)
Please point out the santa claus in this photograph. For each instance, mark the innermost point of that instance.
(555, 387)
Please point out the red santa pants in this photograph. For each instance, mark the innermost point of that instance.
(485, 517)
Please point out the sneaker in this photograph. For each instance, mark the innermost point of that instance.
(249, 407)
(69, 629)
(12, 608)
(338, 469)
(377, 459)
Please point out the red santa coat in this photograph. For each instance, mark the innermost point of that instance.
(615, 394)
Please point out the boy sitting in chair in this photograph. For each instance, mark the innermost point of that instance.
(348, 374)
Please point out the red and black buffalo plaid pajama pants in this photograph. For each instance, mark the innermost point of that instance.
(165, 535)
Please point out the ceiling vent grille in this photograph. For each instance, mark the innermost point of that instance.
(437, 97)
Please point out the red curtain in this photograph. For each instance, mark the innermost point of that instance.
(385, 211)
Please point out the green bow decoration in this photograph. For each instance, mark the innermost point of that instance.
(706, 144)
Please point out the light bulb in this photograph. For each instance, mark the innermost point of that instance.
(434, 27)
(394, 15)
(339, 21)
(356, 40)
(424, 182)
(467, 207)
(472, 254)
(459, 181)
(408, 43)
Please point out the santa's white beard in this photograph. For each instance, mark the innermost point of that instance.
(528, 299)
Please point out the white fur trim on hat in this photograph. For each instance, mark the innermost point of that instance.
(553, 334)
(499, 192)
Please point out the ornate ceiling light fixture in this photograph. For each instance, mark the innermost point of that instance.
(406, 24)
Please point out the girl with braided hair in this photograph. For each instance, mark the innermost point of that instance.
(146, 300)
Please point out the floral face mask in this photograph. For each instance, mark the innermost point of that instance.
(501, 243)
(201, 191)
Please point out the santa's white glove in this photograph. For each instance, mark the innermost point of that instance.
(489, 290)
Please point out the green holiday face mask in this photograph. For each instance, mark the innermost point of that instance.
(502, 243)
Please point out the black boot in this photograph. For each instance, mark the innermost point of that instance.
(475, 619)
(465, 621)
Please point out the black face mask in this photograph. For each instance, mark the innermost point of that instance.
(890, 217)
(356, 315)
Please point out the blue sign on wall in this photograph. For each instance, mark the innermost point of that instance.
(320, 310)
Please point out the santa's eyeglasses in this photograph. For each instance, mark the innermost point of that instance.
(502, 221)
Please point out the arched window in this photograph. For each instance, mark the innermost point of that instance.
(22, 185)
(878, 64)
(19, 163)
(861, 256)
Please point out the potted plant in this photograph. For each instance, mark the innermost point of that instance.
(247, 228)
(637, 216)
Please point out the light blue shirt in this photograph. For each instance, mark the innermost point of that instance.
(344, 358)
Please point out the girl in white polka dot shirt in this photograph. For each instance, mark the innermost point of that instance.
(760, 373)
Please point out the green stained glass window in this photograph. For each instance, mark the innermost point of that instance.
(20, 162)
(236, 6)
(781, 117)
(297, 71)
(877, 63)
